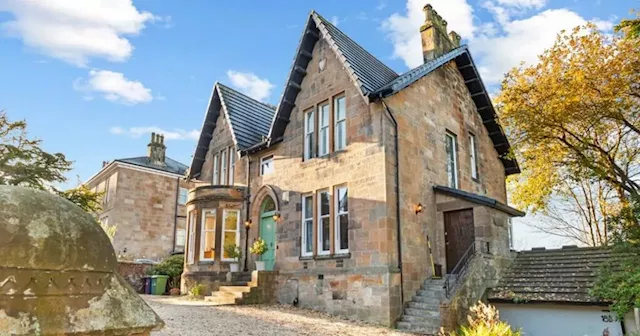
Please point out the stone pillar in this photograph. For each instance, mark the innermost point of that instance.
(58, 272)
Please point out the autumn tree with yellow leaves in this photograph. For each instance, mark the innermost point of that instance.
(574, 118)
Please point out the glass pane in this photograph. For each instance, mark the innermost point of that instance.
(180, 237)
(344, 232)
(310, 122)
(268, 205)
(229, 239)
(341, 137)
(209, 244)
(231, 221)
(210, 221)
(309, 236)
(324, 141)
(324, 115)
(308, 207)
(326, 241)
(340, 108)
(343, 205)
(324, 203)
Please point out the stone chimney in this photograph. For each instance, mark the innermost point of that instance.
(433, 33)
(156, 149)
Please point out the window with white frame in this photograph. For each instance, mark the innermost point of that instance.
(324, 222)
(215, 179)
(192, 238)
(232, 164)
(309, 133)
(223, 167)
(340, 123)
(473, 154)
(307, 225)
(182, 198)
(324, 130)
(208, 235)
(266, 165)
(230, 231)
(341, 220)
(452, 160)
(180, 239)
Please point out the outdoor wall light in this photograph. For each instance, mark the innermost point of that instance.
(247, 224)
(276, 216)
(418, 208)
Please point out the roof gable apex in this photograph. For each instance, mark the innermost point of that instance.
(366, 72)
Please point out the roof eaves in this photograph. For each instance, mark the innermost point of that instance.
(226, 114)
(192, 167)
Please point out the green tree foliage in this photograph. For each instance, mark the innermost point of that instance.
(630, 27)
(171, 266)
(619, 282)
(22, 160)
(88, 200)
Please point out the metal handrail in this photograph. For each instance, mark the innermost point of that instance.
(459, 268)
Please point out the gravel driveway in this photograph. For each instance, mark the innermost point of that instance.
(194, 318)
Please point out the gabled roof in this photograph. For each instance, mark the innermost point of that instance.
(170, 165)
(367, 72)
(560, 275)
(249, 122)
(477, 90)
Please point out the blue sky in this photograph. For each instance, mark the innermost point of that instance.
(92, 82)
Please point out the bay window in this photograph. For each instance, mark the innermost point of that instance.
(192, 238)
(307, 225)
(230, 233)
(208, 235)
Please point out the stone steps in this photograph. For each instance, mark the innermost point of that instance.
(422, 313)
(234, 292)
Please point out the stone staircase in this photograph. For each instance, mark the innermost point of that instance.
(422, 313)
(233, 292)
(246, 288)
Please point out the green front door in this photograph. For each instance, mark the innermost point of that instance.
(268, 234)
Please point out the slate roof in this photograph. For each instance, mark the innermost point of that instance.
(249, 122)
(560, 276)
(171, 165)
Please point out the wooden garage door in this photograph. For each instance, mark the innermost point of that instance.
(459, 235)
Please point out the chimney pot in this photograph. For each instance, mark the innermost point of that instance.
(156, 149)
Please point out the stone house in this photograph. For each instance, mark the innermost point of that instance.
(144, 197)
(351, 178)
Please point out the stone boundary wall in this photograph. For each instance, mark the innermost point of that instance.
(133, 272)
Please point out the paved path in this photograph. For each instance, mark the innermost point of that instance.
(195, 318)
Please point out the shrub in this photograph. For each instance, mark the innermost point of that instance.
(171, 266)
(484, 321)
(259, 247)
(232, 251)
(196, 290)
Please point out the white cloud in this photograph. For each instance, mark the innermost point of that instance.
(113, 86)
(76, 31)
(138, 132)
(518, 32)
(335, 20)
(250, 84)
(403, 30)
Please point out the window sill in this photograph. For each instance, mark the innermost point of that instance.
(206, 262)
(326, 256)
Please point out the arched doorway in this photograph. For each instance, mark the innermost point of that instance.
(268, 231)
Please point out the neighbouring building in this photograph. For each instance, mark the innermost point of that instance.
(351, 177)
(144, 198)
(547, 293)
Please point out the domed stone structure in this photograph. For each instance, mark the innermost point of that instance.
(57, 272)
